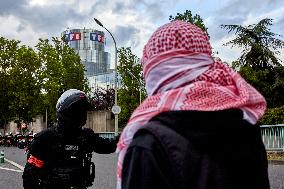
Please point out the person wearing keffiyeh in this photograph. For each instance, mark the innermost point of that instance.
(198, 127)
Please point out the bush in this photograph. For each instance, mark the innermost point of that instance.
(273, 116)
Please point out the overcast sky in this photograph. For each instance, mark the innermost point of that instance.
(132, 21)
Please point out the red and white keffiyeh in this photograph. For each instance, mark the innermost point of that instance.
(180, 74)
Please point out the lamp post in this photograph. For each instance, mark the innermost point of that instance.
(115, 108)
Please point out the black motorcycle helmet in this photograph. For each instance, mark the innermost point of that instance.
(71, 110)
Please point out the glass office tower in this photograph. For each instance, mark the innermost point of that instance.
(104, 81)
(90, 45)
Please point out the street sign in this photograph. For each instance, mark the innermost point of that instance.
(116, 109)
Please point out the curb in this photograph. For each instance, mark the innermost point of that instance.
(276, 162)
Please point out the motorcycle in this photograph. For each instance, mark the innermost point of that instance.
(8, 139)
(30, 138)
(26, 142)
(2, 140)
(21, 142)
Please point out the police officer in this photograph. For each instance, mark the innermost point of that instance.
(60, 156)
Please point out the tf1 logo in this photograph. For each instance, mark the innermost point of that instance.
(97, 37)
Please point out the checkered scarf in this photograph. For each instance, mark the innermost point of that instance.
(180, 74)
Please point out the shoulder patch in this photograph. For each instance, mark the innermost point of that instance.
(35, 161)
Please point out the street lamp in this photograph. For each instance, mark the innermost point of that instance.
(115, 108)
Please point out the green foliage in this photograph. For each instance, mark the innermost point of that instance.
(258, 42)
(236, 65)
(8, 51)
(24, 84)
(32, 80)
(188, 17)
(131, 82)
(259, 65)
(270, 83)
(61, 70)
(273, 116)
(20, 89)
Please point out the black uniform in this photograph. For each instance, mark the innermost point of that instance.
(60, 156)
(57, 161)
(198, 150)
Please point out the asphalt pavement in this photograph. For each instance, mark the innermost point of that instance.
(10, 179)
(11, 176)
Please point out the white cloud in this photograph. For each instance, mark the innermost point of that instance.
(276, 14)
(130, 21)
(226, 53)
(26, 35)
(138, 20)
(49, 2)
(241, 12)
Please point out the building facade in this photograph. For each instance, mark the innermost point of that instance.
(90, 45)
(104, 81)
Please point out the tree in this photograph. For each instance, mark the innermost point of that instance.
(258, 42)
(188, 17)
(25, 88)
(61, 70)
(270, 83)
(8, 50)
(131, 83)
(32, 80)
(273, 116)
(259, 65)
(20, 91)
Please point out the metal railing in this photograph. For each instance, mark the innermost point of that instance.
(273, 136)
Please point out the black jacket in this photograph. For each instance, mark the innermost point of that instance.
(52, 154)
(196, 150)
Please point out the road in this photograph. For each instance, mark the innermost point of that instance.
(105, 171)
